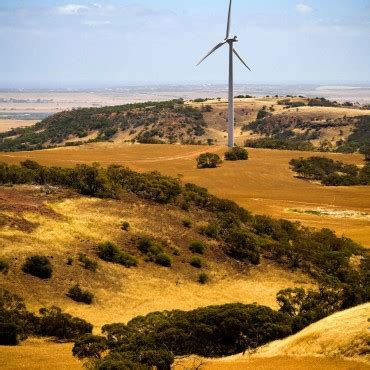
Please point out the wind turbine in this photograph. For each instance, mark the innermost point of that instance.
(232, 51)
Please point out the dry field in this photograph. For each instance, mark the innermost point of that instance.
(8, 124)
(263, 185)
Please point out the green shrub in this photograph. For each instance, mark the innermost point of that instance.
(89, 346)
(154, 251)
(196, 262)
(144, 244)
(4, 266)
(109, 252)
(236, 154)
(163, 259)
(9, 334)
(16, 323)
(208, 160)
(213, 331)
(125, 226)
(186, 223)
(88, 263)
(203, 278)
(38, 266)
(55, 323)
(197, 247)
(79, 295)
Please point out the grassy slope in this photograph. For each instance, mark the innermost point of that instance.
(264, 184)
(181, 125)
(342, 335)
(48, 224)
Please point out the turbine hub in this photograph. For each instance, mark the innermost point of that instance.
(234, 39)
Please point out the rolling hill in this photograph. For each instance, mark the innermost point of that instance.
(290, 123)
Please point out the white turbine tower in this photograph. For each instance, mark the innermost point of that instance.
(232, 51)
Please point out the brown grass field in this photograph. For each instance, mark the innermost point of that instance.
(8, 124)
(264, 184)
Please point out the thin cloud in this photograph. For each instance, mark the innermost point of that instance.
(71, 9)
(303, 8)
(93, 23)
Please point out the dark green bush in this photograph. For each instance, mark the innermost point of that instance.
(163, 259)
(212, 331)
(88, 263)
(55, 323)
(186, 223)
(17, 323)
(4, 266)
(39, 266)
(109, 252)
(89, 346)
(208, 160)
(203, 278)
(79, 295)
(154, 251)
(242, 245)
(9, 334)
(196, 262)
(331, 173)
(236, 154)
(197, 247)
(125, 226)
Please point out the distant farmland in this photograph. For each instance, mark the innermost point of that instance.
(263, 185)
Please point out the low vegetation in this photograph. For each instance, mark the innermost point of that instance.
(330, 172)
(154, 251)
(208, 160)
(197, 247)
(17, 323)
(282, 144)
(236, 154)
(146, 123)
(203, 278)
(80, 295)
(87, 262)
(38, 266)
(110, 252)
(155, 339)
(4, 266)
(196, 262)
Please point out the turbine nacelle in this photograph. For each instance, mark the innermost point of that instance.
(234, 39)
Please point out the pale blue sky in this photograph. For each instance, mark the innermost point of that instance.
(116, 42)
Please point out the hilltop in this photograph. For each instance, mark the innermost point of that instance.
(273, 122)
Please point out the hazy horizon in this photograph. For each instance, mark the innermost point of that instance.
(92, 43)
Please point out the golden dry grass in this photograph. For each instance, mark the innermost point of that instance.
(77, 225)
(7, 124)
(37, 354)
(276, 363)
(264, 184)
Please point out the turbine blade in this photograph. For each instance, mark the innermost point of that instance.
(240, 58)
(228, 22)
(212, 51)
